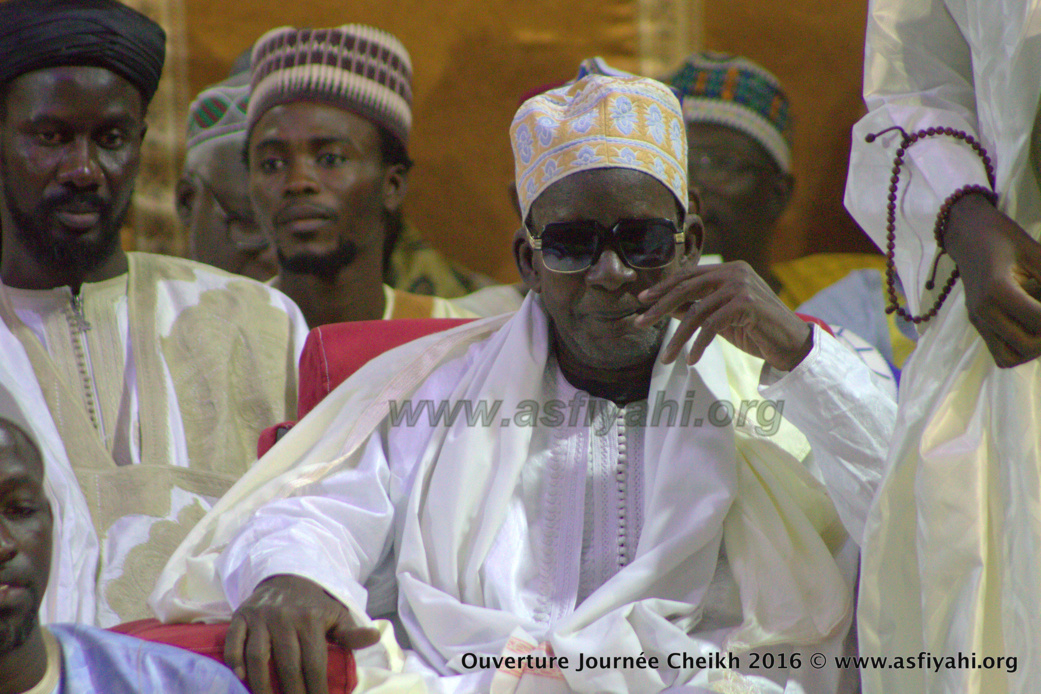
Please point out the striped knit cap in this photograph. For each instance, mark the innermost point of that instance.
(600, 121)
(355, 67)
(734, 91)
(218, 112)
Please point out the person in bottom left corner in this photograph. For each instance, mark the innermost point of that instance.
(68, 658)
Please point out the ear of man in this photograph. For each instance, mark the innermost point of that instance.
(395, 185)
(184, 199)
(779, 194)
(693, 228)
(524, 256)
(694, 239)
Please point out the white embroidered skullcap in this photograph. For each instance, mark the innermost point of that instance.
(600, 121)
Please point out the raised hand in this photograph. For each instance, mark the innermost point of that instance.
(1000, 266)
(732, 301)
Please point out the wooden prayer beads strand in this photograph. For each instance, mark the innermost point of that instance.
(942, 217)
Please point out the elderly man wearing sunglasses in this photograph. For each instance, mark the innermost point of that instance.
(616, 504)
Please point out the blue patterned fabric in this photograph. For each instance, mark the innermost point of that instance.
(102, 662)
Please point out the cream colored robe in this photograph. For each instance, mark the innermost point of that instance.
(952, 554)
(147, 417)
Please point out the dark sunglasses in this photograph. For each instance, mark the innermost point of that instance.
(642, 244)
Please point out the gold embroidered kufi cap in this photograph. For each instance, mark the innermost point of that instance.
(600, 121)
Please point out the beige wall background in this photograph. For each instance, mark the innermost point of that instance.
(473, 59)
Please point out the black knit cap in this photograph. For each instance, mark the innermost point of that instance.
(38, 34)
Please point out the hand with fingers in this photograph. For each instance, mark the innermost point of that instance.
(288, 619)
(1000, 266)
(732, 301)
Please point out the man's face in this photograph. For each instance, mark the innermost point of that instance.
(25, 537)
(742, 191)
(594, 312)
(317, 181)
(70, 148)
(215, 209)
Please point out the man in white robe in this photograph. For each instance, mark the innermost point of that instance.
(148, 377)
(952, 563)
(629, 493)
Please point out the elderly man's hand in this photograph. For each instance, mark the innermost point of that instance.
(1001, 268)
(732, 301)
(289, 618)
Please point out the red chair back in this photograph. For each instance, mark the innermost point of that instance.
(335, 351)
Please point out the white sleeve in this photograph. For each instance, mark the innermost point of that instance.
(917, 74)
(335, 532)
(847, 415)
(339, 531)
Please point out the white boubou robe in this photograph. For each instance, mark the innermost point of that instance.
(952, 558)
(145, 394)
(484, 530)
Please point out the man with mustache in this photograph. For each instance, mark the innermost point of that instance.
(151, 375)
(609, 507)
(328, 123)
(69, 659)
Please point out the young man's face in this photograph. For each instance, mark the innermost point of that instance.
(319, 185)
(594, 311)
(25, 537)
(70, 146)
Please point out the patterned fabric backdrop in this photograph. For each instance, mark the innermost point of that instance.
(152, 225)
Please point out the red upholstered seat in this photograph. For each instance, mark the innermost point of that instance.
(208, 640)
(335, 351)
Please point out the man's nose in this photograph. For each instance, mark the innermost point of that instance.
(79, 167)
(8, 548)
(300, 178)
(609, 271)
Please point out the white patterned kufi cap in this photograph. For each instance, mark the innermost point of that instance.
(599, 122)
(355, 67)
